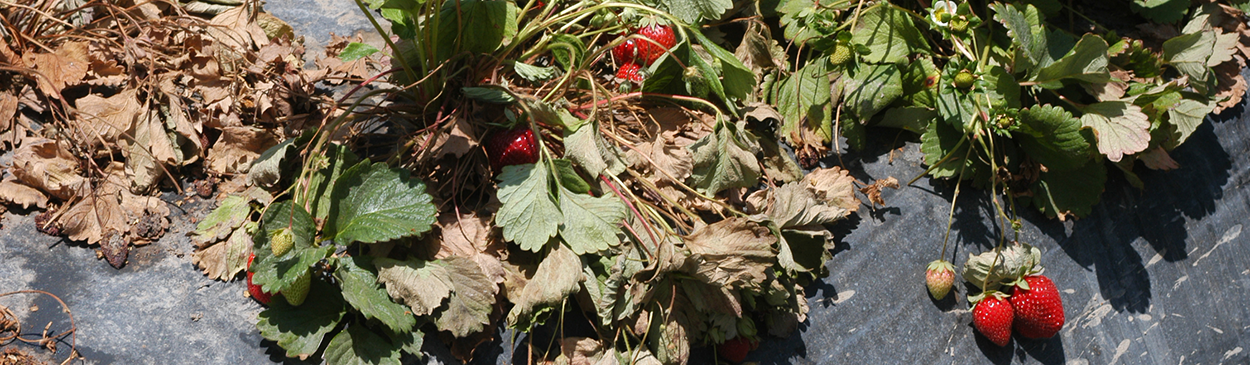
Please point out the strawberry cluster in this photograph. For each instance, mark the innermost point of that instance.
(634, 53)
(1033, 309)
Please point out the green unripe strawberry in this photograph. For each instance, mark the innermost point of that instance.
(696, 84)
(841, 54)
(282, 241)
(964, 79)
(939, 277)
(298, 291)
(959, 25)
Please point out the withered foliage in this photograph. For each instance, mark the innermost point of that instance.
(103, 104)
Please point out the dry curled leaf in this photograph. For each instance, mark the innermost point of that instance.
(16, 193)
(45, 164)
(873, 191)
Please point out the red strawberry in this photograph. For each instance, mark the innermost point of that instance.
(648, 52)
(253, 289)
(1039, 310)
(624, 53)
(736, 349)
(512, 147)
(992, 317)
(939, 277)
(630, 71)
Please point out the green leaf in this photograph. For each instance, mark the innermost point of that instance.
(1053, 137)
(488, 95)
(909, 118)
(359, 346)
(590, 223)
(1160, 11)
(920, 80)
(360, 288)
(472, 297)
(889, 33)
(1000, 87)
(1026, 32)
(872, 88)
(956, 108)
(481, 26)
(725, 159)
(222, 221)
(568, 176)
(1087, 62)
(355, 51)
(533, 73)
(1120, 127)
(940, 141)
(529, 215)
(321, 185)
(275, 274)
(1193, 54)
(557, 277)
(376, 203)
(1072, 192)
(804, 97)
(738, 80)
(268, 169)
(419, 284)
(301, 330)
(694, 11)
(587, 148)
(567, 50)
(1185, 119)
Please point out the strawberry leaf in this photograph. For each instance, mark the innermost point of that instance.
(1072, 192)
(941, 140)
(222, 221)
(1120, 127)
(725, 159)
(476, 26)
(1053, 137)
(376, 203)
(737, 79)
(360, 346)
(889, 33)
(472, 298)
(590, 223)
(420, 284)
(1185, 118)
(587, 148)
(529, 215)
(871, 89)
(276, 273)
(301, 330)
(361, 289)
(1087, 61)
(1024, 28)
(321, 184)
(557, 276)
(992, 269)
(693, 11)
(1160, 11)
(804, 97)
(734, 252)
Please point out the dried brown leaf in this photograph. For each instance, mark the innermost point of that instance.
(66, 67)
(833, 185)
(237, 148)
(734, 252)
(1158, 159)
(13, 192)
(1231, 84)
(237, 30)
(44, 164)
(106, 120)
(470, 236)
(873, 191)
(8, 109)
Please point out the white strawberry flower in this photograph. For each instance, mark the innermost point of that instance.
(942, 12)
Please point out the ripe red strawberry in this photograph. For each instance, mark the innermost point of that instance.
(512, 147)
(626, 51)
(939, 277)
(630, 71)
(1039, 310)
(992, 317)
(253, 289)
(735, 349)
(648, 52)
